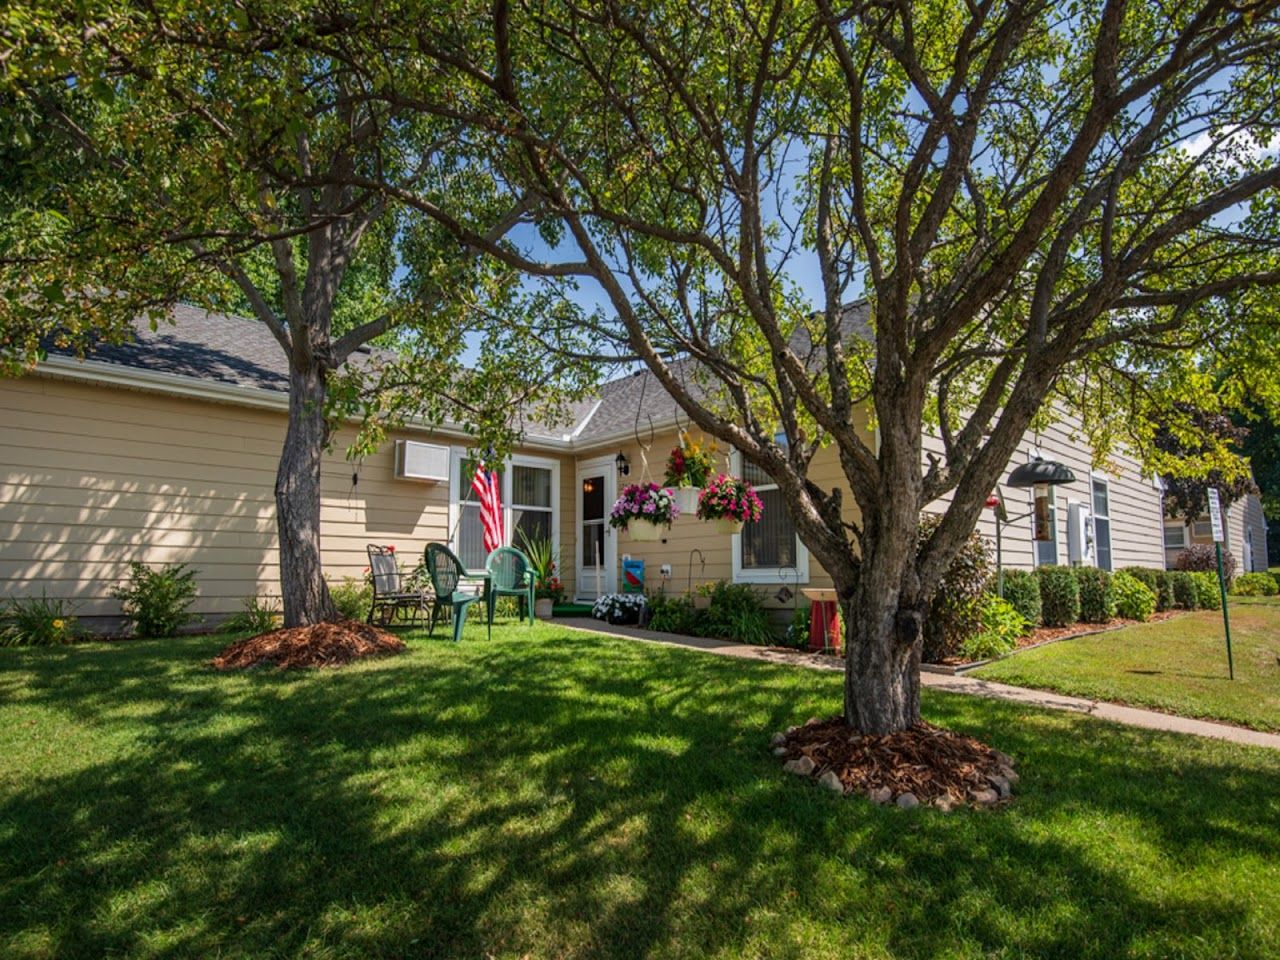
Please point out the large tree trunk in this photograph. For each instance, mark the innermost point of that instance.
(305, 593)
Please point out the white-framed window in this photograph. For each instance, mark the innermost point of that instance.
(1101, 490)
(1202, 530)
(1175, 536)
(1046, 551)
(530, 496)
(768, 551)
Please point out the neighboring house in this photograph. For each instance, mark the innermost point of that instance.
(1244, 527)
(165, 450)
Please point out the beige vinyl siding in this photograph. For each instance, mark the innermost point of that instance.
(1136, 504)
(94, 477)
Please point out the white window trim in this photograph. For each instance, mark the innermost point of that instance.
(1182, 532)
(1096, 477)
(458, 454)
(799, 574)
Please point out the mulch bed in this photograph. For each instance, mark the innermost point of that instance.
(329, 644)
(1049, 634)
(922, 765)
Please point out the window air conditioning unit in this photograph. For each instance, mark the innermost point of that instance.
(427, 462)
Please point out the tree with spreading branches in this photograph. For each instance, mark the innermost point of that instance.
(159, 152)
(1037, 203)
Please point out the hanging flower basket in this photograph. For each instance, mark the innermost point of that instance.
(641, 509)
(686, 498)
(688, 468)
(730, 502)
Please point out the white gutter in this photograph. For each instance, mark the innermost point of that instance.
(157, 381)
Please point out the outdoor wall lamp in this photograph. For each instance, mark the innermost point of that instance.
(623, 464)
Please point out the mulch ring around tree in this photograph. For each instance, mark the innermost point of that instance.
(925, 765)
(326, 644)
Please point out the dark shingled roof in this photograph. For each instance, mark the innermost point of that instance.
(239, 351)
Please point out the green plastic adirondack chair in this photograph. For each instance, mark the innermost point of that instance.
(510, 575)
(446, 571)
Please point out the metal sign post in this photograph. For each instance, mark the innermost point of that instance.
(1215, 518)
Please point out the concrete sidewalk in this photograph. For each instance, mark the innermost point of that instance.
(1129, 716)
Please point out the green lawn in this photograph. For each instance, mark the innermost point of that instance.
(1179, 665)
(556, 794)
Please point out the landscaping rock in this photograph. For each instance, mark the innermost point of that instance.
(943, 803)
(880, 795)
(811, 721)
(831, 781)
(801, 766)
(984, 798)
(1002, 787)
(778, 739)
(907, 801)
(781, 751)
(1010, 774)
(1004, 759)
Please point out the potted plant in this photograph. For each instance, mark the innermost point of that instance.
(547, 588)
(642, 509)
(688, 467)
(730, 502)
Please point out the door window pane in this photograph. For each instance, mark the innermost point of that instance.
(593, 498)
(592, 544)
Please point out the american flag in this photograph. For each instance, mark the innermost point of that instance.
(485, 484)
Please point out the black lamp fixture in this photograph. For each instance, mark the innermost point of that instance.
(1039, 475)
(622, 463)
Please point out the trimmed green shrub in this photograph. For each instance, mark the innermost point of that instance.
(352, 597)
(1002, 625)
(1097, 600)
(1183, 589)
(37, 623)
(157, 602)
(258, 616)
(955, 613)
(1255, 585)
(1208, 594)
(1059, 596)
(1134, 599)
(1022, 590)
(797, 636)
(1204, 557)
(1155, 580)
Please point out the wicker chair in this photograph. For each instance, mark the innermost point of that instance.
(446, 573)
(389, 592)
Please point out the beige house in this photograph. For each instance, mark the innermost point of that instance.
(165, 450)
(1244, 527)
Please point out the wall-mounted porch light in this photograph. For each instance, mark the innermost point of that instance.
(622, 463)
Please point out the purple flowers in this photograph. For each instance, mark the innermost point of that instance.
(643, 501)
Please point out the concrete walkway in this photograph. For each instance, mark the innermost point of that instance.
(1129, 716)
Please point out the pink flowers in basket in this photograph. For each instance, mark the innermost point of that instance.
(729, 498)
(643, 501)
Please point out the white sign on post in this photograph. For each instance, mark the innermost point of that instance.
(1215, 515)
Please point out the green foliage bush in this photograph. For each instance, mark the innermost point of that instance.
(1002, 625)
(797, 636)
(157, 602)
(37, 623)
(736, 612)
(1184, 589)
(352, 597)
(1097, 598)
(1255, 585)
(1155, 580)
(955, 614)
(1134, 599)
(259, 615)
(1208, 595)
(1022, 590)
(1059, 596)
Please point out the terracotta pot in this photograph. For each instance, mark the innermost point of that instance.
(644, 531)
(542, 608)
(728, 525)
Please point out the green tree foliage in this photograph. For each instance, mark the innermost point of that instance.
(160, 153)
(1201, 450)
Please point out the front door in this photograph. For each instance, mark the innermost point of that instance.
(597, 541)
